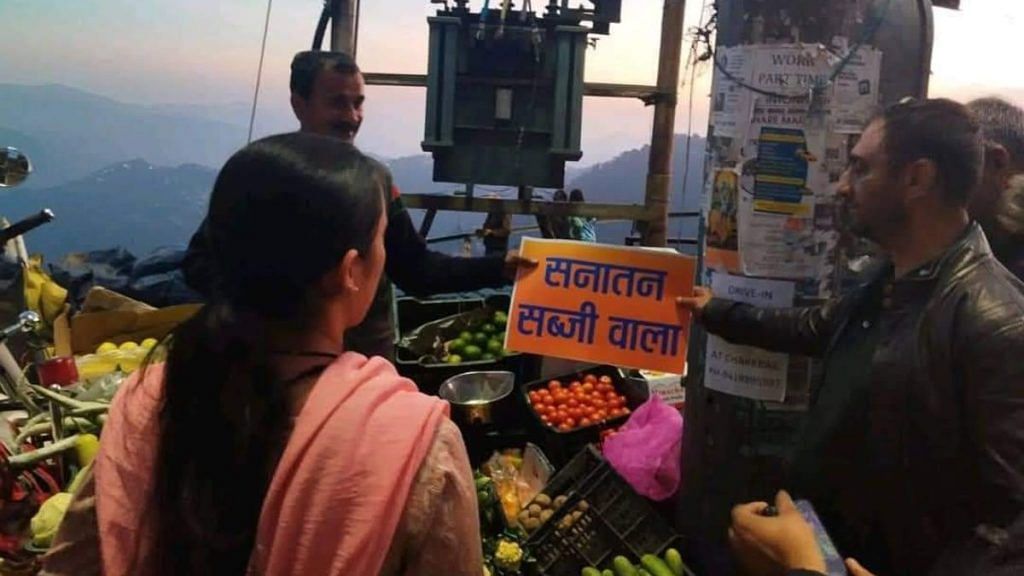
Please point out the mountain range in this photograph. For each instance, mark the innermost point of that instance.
(139, 177)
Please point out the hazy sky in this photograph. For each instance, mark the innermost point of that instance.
(206, 52)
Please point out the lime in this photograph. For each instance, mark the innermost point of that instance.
(466, 336)
(456, 346)
(480, 338)
(454, 359)
(488, 357)
(495, 346)
(149, 343)
(129, 346)
(489, 328)
(472, 352)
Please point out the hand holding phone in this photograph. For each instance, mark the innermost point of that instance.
(775, 537)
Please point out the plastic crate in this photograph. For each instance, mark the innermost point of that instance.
(561, 446)
(617, 521)
(429, 376)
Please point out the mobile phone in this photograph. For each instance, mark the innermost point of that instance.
(834, 565)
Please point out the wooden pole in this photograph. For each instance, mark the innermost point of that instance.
(659, 170)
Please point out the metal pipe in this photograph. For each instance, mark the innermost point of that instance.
(659, 170)
(344, 26)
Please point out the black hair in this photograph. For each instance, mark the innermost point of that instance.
(576, 195)
(306, 66)
(559, 196)
(939, 130)
(284, 211)
(1001, 123)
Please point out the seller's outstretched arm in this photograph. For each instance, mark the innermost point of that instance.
(803, 330)
(418, 270)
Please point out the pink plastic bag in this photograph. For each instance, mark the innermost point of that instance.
(646, 450)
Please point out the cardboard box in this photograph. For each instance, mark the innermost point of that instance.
(84, 332)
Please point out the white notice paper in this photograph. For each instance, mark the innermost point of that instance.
(744, 370)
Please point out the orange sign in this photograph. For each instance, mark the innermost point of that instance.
(604, 304)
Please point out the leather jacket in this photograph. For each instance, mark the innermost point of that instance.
(915, 435)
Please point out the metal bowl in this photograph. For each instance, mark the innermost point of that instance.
(474, 394)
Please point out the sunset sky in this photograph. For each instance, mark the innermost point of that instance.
(206, 52)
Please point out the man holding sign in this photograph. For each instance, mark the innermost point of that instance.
(604, 304)
(915, 438)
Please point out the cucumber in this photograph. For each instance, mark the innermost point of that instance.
(656, 566)
(642, 572)
(674, 561)
(623, 567)
(589, 571)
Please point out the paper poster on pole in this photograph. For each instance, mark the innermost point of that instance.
(722, 239)
(604, 304)
(730, 102)
(744, 370)
(856, 91)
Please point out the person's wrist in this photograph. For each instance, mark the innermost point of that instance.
(806, 559)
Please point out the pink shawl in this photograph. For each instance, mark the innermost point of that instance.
(337, 495)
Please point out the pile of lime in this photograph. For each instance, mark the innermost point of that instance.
(480, 341)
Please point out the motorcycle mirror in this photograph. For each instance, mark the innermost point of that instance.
(15, 167)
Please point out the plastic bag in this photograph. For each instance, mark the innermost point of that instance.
(646, 450)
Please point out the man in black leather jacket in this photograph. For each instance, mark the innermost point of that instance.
(327, 95)
(915, 437)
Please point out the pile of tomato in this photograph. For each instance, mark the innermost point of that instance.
(578, 405)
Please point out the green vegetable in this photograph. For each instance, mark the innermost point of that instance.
(656, 566)
(456, 346)
(466, 336)
(590, 571)
(642, 572)
(607, 573)
(623, 567)
(472, 352)
(675, 561)
(489, 328)
(495, 346)
(480, 338)
(454, 359)
(488, 357)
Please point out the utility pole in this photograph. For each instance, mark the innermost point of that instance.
(344, 26)
(659, 170)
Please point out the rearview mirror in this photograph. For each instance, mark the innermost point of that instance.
(15, 167)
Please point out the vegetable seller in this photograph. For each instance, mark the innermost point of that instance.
(327, 96)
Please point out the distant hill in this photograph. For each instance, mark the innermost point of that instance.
(70, 133)
(133, 205)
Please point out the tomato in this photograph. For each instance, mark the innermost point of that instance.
(573, 402)
(575, 386)
(562, 398)
(603, 388)
(625, 410)
(615, 412)
(570, 422)
(576, 413)
(586, 422)
(564, 428)
(562, 415)
(605, 379)
(545, 419)
(590, 378)
(534, 397)
(554, 385)
(600, 404)
(588, 388)
(601, 415)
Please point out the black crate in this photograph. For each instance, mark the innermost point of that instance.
(561, 446)
(617, 521)
(429, 376)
